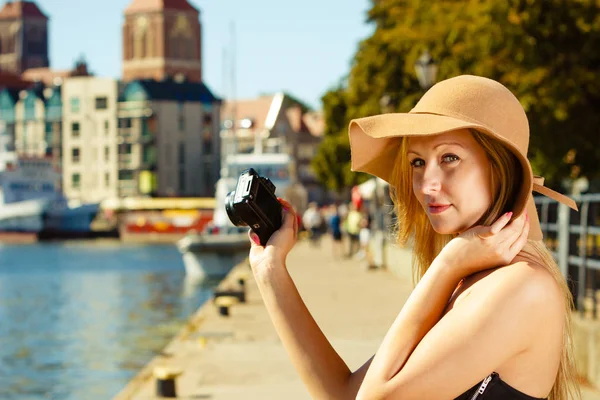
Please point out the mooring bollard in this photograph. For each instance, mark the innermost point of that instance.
(165, 381)
(223, 303)
(240, 295)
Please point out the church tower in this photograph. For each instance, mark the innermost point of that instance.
(162, 39)
(23, 37)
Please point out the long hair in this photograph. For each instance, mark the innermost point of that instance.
(413, 226)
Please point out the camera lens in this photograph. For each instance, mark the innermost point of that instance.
(233, 217)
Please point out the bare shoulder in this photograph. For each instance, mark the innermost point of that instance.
(526, 287)
(533, 281)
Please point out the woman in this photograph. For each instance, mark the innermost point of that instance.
(490, 315)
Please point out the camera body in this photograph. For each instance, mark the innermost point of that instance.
(253, 203)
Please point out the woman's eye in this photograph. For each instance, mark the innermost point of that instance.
(417, 162)
(450, 158)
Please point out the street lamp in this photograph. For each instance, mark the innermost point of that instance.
(426, 70)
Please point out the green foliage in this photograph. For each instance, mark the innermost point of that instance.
(544, 51)
(332, 163)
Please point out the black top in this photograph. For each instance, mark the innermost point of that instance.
(494, 388)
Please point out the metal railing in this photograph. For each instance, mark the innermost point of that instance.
(574, 239)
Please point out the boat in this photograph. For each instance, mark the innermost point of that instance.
(158, 219)
(213, 252)
(31, 205)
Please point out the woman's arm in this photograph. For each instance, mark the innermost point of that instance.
(322, 370)
(420, 313)
(464, 334)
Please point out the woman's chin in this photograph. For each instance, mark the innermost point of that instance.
(445, 229)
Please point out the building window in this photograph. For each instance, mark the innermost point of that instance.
(149, 154)
(167, 154)
(106, 153)
(49, 135)
(125, 148)
(75, 154)
(76, 181)
(181, 153)
(208, 183)
(101, 103)
(124, 123)
(181, 179)
(106, 126)
(125, 175)
(75, 129)
(181, 121)
(74, 104)
(106, 179)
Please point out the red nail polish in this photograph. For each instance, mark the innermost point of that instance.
(255, 239)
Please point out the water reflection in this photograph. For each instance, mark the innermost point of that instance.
(80, 319)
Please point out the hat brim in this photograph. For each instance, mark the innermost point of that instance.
(374, 146)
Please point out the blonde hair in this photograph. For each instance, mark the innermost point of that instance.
(413, 226)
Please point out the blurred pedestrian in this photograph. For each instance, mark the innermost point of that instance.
(335, 229)
(352, 225)
(364, 239)
(313, 222)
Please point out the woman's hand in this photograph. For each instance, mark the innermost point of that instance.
(484, 247)
(279, 244)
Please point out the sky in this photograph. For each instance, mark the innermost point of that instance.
(301, 47)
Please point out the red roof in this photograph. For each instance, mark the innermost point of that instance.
(12, 81)
(19, 9)
(153, 5)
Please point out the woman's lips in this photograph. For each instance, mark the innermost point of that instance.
(438, 209)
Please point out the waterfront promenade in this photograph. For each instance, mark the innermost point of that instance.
(241, 357)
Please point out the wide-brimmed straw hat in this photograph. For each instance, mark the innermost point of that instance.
(462, 102)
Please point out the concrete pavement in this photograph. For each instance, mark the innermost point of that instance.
(241, 357)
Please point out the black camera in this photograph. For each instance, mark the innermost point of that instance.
(253, 203)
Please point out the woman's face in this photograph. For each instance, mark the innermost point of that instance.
(451, 179)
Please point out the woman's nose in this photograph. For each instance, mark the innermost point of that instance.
(431, 182)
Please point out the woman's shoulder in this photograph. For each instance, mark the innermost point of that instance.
(525, 278)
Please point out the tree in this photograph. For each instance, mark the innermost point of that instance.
(544, 51)
(332, 161)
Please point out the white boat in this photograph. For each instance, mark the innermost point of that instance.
(214, 252)
(30, 201)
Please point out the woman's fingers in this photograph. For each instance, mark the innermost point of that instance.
(253, 238)
(500, 223)
(285, 203)
(522, 239)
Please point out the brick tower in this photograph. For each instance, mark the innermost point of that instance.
(23, 37)
(162, 39)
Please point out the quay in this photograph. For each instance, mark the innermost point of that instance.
(241, 357)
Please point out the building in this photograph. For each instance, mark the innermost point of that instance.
(170, 132)
(23, 37)
(155, 134)
(8, 117)
(33, 119)
(275, 123)
(89, 139)
(162, 39)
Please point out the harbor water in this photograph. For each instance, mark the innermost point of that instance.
(80, 319)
